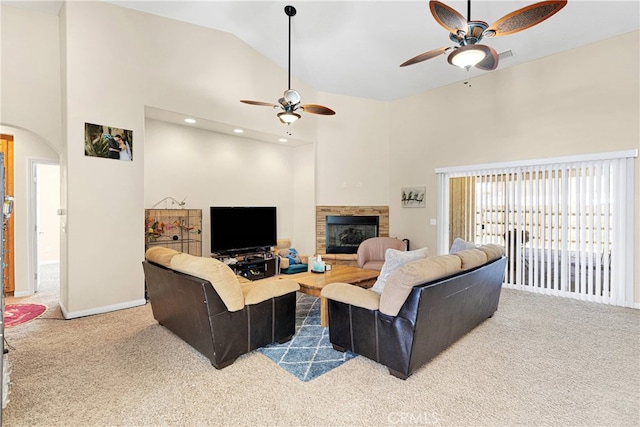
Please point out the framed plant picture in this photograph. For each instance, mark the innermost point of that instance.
(413, 197)
(108, 142)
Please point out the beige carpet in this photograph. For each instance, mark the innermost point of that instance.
(540, 361)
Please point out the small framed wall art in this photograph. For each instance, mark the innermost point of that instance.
(108, 142)
(413, 197)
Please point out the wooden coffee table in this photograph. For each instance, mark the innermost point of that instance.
(312, 283)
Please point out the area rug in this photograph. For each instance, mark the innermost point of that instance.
(17, 314)
(309, 354)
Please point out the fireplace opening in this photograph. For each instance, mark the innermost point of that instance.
(344, 233)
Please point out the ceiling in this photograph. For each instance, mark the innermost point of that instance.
(355, 47)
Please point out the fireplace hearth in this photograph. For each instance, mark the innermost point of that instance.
(344, 233)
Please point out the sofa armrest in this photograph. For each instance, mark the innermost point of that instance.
(351, 294)
(284, 263)
(261, 290)
(160, 255)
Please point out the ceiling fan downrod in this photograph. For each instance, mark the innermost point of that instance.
(290, 11)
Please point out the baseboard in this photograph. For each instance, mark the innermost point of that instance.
(100, 310)
(22, 294)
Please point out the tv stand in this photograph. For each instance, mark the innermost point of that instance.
(253, 266)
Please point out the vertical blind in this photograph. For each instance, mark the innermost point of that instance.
(566, 223)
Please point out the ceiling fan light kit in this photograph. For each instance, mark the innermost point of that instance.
(467, 34)
(290, 101)
(288, 117)
(468, 56)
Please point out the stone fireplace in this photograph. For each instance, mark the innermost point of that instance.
(344, 233)
(322, 212)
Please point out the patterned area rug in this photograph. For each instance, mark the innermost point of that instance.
(17, 314)
(309, 354)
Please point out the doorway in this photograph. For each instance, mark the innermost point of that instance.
(8, 279)
(44, 221)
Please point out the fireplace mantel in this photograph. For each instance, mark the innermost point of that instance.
(323, 211)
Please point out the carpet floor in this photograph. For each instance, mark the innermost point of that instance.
(539, 361)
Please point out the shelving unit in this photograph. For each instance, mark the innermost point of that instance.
(255, 268)
(179, 229)
(252, 265)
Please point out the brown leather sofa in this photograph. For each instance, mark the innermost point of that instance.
(425, 306)
(203, 302)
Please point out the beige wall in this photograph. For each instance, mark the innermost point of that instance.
(212, 169)
(582, 101)
(30, 69)
(26, 145)
(576, 102)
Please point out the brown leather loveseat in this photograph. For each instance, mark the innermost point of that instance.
(424, 307)
(202, 301)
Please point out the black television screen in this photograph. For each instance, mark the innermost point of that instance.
(238, 229)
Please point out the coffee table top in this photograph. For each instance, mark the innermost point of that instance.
(338, 273)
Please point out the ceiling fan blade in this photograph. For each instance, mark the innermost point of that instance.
(424, 56)
(317, 109)
(524, 18)
(489, 63)
(451, 20)
(265, 104)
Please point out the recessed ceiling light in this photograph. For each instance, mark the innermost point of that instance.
(238, 131)
(190, 121)
(283, 140)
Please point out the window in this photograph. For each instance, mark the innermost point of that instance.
(566, 223)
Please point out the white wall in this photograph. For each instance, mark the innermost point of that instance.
(30, 70)
(26, 145)
(351, 154)
(48, 221)
(581, 101)
(108, 78)
(590, 105)
(213, 169)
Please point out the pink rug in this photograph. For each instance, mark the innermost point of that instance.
(17, 314)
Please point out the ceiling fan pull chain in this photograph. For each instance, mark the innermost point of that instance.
(466, 77)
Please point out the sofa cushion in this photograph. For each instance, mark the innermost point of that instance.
(471, 258)
(401, 281)
(222, 278)
(492, 251)
(160, 255)
(351, 294)
(394, 259)
(262, 290)
(295, 268)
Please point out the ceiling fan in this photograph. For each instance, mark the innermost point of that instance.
(290, 101)
(467, 34)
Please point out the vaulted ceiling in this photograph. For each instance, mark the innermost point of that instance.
(355, 47)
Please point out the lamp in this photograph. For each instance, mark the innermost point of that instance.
(288, 117)
(468, 56)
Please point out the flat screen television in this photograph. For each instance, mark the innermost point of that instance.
(242, 229)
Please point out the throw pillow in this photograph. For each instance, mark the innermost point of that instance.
(394, 259)
(460, 245)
